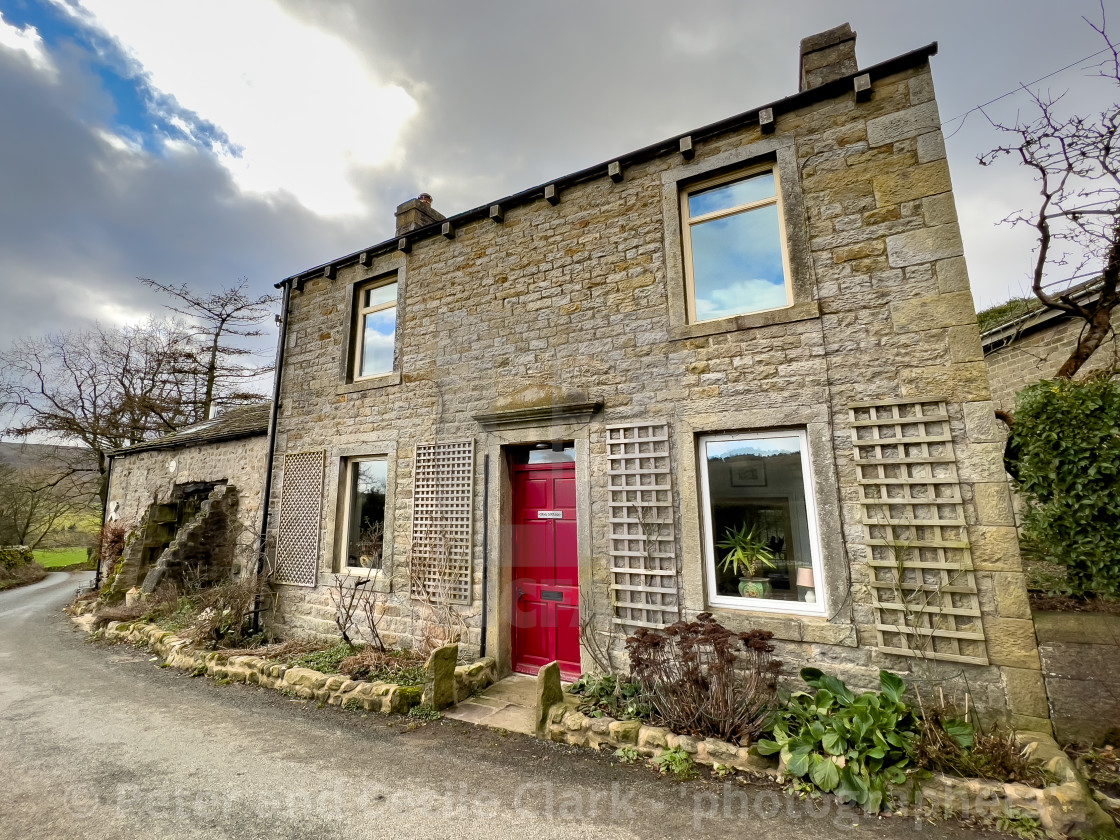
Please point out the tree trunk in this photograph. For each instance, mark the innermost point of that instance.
(1095, 334)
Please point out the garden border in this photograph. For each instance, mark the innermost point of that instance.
(306, 683)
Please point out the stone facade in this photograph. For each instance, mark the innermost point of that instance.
(579, 290)
(149, 480)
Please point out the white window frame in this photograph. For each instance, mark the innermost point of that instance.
(763, 605)
(686, 233)
(350, 465)
(360, 313)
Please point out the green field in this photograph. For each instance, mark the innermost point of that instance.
(52, 558)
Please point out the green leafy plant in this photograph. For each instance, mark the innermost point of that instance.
(1020, 823)
(326, 661)
(848, 744)
(747, 553)
(610, 695)
(1064, 453)
(674, 762)
(425, 713)
(627, 755)
(722, 771)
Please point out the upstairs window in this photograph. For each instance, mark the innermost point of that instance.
(376, 325)
(734, 246)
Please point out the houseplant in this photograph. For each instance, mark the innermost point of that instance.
(747, 555)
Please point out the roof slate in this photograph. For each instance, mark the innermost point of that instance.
(240, 422)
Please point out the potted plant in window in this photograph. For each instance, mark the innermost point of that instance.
(747, 555)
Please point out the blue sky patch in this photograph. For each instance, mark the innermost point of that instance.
(141, 113)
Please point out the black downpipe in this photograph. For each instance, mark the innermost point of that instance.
(485, 548)
(104, 512)
(267, 493)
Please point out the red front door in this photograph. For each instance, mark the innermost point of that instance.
(545, 577)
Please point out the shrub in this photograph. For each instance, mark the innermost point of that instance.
(702, 679)
(610, 695)
(1064, 452)
(847, 744)
(402, 667)
(12, 556)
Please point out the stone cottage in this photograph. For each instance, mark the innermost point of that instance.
(193, 497)
(559, 413)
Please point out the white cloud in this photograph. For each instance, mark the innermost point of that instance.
(741, 296)
(300, 107)
(29, 42)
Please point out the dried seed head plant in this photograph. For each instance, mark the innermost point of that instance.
(706, 680)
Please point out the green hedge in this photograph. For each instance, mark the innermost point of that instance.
(15, 555)
(1064, 452)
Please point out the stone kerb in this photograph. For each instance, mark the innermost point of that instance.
(304, 683)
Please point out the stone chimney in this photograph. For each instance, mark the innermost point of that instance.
(416, 213)
(827, 56)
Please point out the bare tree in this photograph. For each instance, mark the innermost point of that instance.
(216, 317)
(104, 388)
(1075, 161)
(35, 501)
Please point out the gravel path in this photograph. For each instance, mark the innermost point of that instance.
(99, 742)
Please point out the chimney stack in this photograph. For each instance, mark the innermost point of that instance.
(828, 56)
(416, 213)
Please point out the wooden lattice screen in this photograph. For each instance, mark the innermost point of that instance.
(643, 554)
(301, 506)
(922, 583)
(443, 477)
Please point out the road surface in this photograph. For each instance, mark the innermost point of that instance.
(99, 742)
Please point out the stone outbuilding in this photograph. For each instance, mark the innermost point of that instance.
(1024, 342)
(558, 414)
(191, 500)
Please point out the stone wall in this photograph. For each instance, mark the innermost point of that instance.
(1038, 355)
(1081, 664)
(142, 478)
(586, 295)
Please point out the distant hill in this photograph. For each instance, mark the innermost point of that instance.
(25, 455)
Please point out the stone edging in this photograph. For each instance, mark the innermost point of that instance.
(1063, 809)
(305, 683)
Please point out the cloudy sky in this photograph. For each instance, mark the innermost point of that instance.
(200, 141)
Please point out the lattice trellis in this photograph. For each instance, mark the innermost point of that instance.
(643, 542)
(922, 583)
(301, 506)
(442, 499)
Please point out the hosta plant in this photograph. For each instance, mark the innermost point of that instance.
(853, 745)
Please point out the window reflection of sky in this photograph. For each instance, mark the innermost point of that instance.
(761, 448)
(381, 294)
(378, 332)
(737, 264)
(726, 196)
(372, 477)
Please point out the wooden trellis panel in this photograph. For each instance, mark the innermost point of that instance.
(922, 582)
(301, 507)
(643, 541)
(442, 499)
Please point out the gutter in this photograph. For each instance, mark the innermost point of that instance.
(267, 492)
(674, 145)
(1029, 322)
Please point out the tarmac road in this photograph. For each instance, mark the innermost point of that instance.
(99, 742)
